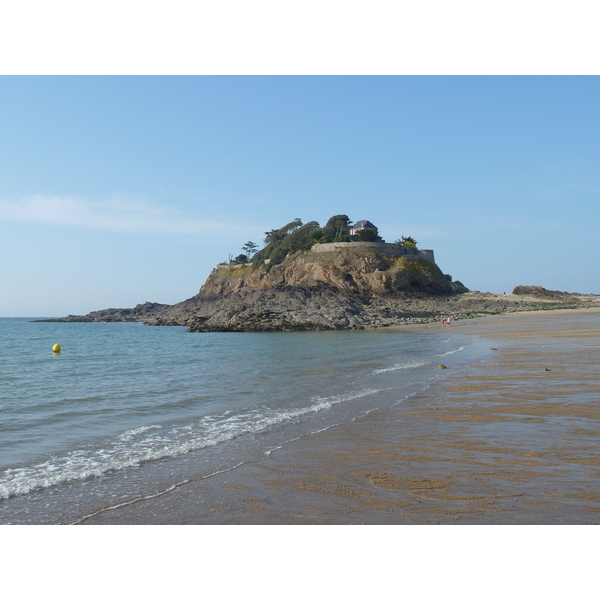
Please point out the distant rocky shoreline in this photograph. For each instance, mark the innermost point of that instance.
(265, 313)
(342, 289)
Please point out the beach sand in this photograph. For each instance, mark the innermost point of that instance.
(514, 439)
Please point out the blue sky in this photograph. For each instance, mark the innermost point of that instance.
(118, 190)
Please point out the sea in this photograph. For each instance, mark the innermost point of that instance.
(126, 411)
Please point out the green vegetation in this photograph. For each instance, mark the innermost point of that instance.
(276, 235)
(289, 239)
(367, 235)
(295, 237)
(551, 305)
(417, 266)
(298, 237)
(336, 230)
(407, 241)
(250, 248)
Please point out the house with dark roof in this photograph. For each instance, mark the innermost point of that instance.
(360, 225)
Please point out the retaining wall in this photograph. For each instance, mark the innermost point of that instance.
(391, 250)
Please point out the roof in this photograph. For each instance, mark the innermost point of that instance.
(363, 224)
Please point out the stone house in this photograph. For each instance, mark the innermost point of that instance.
(360, 225)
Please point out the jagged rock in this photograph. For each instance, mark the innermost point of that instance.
(539, 292)
(341, 289)
(140, 312)
(334, 290)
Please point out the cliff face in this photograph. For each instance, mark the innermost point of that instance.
(342, 289)
(308, 290)
(347, 272)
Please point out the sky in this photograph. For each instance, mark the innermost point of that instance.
(125, 189)
(116, 190)
(467, 133)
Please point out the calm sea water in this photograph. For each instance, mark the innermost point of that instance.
(126, 411)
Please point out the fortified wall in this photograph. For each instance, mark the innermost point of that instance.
(391, 250)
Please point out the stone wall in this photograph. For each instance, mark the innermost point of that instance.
(233, 266)
(391, 250)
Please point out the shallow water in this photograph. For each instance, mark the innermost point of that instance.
(126, 411)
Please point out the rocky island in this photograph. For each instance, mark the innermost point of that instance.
(340, 276)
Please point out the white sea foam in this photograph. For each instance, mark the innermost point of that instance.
(131, 433)
(417, 363)
(131, 448)
(86, 413)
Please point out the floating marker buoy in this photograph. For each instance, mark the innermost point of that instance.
(56, 348)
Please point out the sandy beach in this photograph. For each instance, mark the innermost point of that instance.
(510, 440)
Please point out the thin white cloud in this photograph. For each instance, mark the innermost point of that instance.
(118, 214)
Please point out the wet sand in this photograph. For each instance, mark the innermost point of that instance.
(514, 439)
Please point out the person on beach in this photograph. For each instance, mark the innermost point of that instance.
(443, 321)
(448, 320)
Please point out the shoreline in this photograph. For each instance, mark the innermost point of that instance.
(260, 313)
(490, 318)
(510, 440)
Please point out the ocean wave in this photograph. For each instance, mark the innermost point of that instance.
(148, 443)
(417, 363)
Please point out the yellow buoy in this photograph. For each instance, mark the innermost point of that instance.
(56, 348)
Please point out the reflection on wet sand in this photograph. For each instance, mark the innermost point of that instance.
(512, 440)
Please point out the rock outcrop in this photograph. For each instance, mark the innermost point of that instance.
(140, 312)
(342, 289)
(327, 290)
(536, 291)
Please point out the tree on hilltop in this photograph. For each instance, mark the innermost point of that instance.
(366, 235)
(276, 235)
(407, 241)
(250, 248)
(336, 230)
(288, 239)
